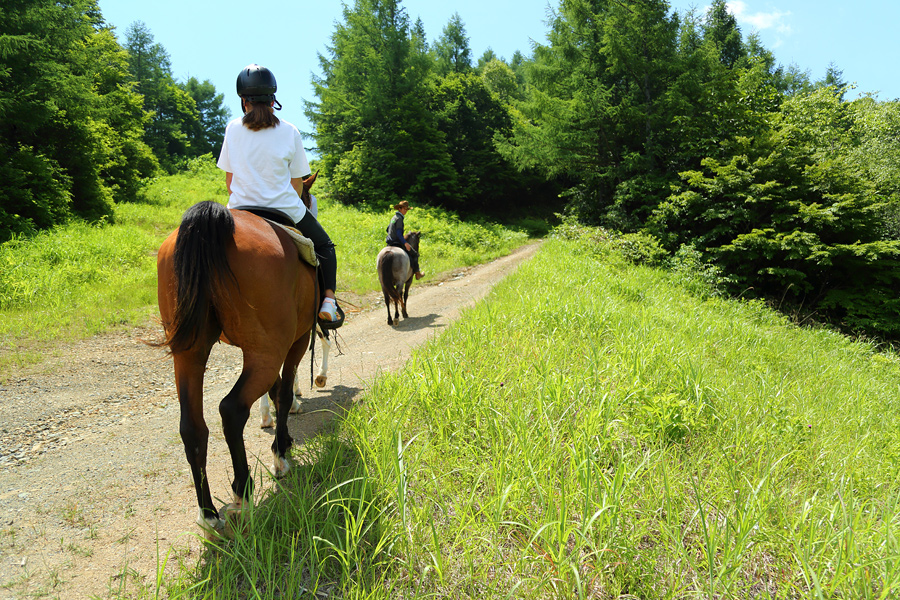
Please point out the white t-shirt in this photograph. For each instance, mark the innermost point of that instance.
(262, 164)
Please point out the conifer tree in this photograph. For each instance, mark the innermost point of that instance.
(173, 110)
(206, 133)
(597, 111)
(722, 30)
(452, 52)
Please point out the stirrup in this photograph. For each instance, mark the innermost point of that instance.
(332, 324)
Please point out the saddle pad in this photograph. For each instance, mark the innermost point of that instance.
(304, 244)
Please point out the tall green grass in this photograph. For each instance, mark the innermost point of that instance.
(594, 430)
(81, 279)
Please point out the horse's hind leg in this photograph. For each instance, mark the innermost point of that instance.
(256, 378)
(189, 368)
(283, 441)
(387, 303)
(405, 296)
(265, 414)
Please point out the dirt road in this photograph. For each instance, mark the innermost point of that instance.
(93, 479)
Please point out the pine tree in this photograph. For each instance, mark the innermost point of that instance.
(173, 110)
(206, 133)
(722, 30)
(470, 115)
(596, 111)
(452, 52)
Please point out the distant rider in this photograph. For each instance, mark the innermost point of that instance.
(395, 237)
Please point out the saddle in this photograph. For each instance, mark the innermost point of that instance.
(304, 245)
(305, 248)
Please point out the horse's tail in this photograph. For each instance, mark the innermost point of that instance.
(386, 275)
(201, 271)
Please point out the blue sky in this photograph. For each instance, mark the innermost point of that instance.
(214, 39)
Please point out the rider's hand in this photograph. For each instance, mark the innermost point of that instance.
(408, 247)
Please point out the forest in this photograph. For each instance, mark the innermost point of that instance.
(675, 131)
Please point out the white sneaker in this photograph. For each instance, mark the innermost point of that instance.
(328, 312)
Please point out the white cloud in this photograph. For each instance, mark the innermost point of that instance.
(759, 20)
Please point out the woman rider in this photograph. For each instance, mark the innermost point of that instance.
(264, 163)
(395, 237)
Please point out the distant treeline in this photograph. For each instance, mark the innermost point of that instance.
(83, 120)
(642, 120)
(674, 128)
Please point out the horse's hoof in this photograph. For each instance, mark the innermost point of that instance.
(295, 407)
(281, 467)
(321, 381)
(213, 528)
(267, 422)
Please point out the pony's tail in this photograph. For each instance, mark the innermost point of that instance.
(201, 271)
(387, 276)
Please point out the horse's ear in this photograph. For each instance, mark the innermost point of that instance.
(309, 181)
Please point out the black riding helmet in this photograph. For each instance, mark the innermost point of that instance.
(257, 84)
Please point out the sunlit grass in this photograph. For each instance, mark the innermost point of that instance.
(594, 430)
(607, 433)
(76, 281)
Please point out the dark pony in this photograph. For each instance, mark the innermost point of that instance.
(395, 275)
(232, 276)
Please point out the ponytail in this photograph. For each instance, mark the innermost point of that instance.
(259, 116)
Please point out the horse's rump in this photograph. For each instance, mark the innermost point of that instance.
(392, 265)
(224, 266)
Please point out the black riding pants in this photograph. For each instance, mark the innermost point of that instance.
(413, 257)
(311, 228)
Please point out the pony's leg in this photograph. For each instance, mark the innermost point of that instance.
(283, 441)
(189, 369)
(322, 377)
(255, 379)
(398, 303)
(387, 303)
(405, 296)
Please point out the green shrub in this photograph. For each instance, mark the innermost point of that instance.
(640, 249)
(700, 277)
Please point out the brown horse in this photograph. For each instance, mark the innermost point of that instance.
(396, 275)
(230, 275)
